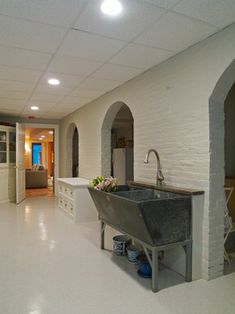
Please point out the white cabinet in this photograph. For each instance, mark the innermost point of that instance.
(7, 163)
(75, 199)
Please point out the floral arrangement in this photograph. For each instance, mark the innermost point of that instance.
(101, 183)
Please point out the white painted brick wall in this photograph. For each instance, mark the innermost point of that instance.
(169, 104)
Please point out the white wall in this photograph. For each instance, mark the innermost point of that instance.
(170, 108)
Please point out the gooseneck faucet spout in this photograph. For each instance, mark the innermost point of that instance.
(159, 176)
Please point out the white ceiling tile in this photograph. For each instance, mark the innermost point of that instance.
(30, 35)
(69, 101)
(217, 12)
(9, 102)
(99, 84)
(167, 4)
(136, 17)
(54, 90)
(17, 74)
(43, 107)
(73, 66)
(176, 32)
(116, 72)
(50, 98)
(14, 94)
(56, 12)
(16, 86)
(23, 58)
(62, 108)
(9, 111)
(139, 56)
(86, 93)
(89, 46)
(65, 80)
(54, 115)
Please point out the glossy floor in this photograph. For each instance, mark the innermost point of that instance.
(49, 265)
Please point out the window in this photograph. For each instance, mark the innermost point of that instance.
(36, 153)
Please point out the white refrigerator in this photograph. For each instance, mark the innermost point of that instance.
(123, 165)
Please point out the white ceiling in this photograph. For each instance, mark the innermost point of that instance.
(90, 53)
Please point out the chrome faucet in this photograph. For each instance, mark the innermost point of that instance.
(159, 177)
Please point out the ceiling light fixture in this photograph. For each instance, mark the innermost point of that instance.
(51, 132)
(43, 136)
(53, 81)
(34, 107)
(111, 7)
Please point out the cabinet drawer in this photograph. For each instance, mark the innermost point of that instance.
(71, 208)
(68, 191)
(61, 188)
(61, 202)
(66, 205)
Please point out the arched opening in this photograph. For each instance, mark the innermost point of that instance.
(72, 152)
(118, 142)
(219, 137)
(75, 171)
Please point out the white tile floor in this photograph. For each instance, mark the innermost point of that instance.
(49, 265)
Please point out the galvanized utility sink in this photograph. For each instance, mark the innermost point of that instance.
(158, 219)
(150, 215)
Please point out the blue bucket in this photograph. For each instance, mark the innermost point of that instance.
(120, 243)
(144, 269)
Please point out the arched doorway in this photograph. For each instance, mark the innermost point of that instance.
(72, 160)
(75, 171)
(117, 143)
(217, 201)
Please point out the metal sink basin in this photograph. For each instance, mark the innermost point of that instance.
(145, 194)
(153, 216)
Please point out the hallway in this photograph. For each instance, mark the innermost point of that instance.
(49, 265)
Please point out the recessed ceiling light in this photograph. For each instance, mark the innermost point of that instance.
(111, 7)
(34, 107)
(51, 132)
(53, 81)
(43, 136)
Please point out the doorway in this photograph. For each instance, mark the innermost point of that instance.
(75, 169)
(218, 156)
(39, 162)
(118, 143)
(72, 149)
(229, 157)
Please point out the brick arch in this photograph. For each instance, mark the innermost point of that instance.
(69, 148)
(106, 136)
(216, 171)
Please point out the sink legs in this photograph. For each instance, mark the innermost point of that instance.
(154, 269)
(153, 260)
(188, 253)
(102, 236)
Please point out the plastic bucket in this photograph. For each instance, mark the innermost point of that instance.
(120, 243)
(144, 269)
(133, 254)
